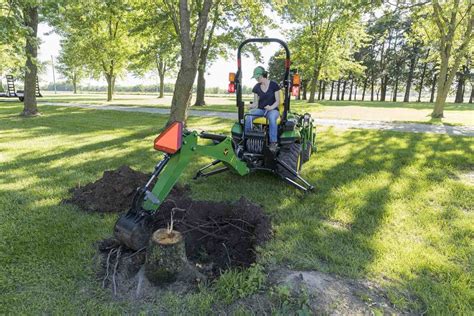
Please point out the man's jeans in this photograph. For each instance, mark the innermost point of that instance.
(272, 117)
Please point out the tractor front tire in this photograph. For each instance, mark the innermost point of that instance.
(291, 156)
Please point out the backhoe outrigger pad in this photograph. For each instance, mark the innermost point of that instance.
(133, 229)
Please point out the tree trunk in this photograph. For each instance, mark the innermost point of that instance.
(423, 73)
(31, 74)
(383, 88)
(460, 88)
(314, 81)
(338, 89)
(161, 69)
(201, 82)
(182, 93)
(166, 259)
(332, 90)
(74, 82)
(472, 94)
(350, 89)
(372, 87)
(110, 86)
(443, 90)
(364, 88)
(433, 88)
(305, 86)
(324, 90)
(395, 90)
(312, 90)
(410, 79)
(162, 85)
(355, 92)
(343, 90)
(320, 88)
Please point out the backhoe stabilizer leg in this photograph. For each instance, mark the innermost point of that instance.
(306, 185)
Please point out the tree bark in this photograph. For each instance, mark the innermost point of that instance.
(355, 92)
(433, 88)
(372, 87)
(383, 88)
(324, 90)
(461, 83)
(338, 89)
(162, 86)
(110, 86)
(74, 82)
(166, 259)
(423, 73)
(161, 68)
(312, 91)
(343, 90)
(395, 90)
(472, 94)
(350, 89)
(410, 77)
(320, 88)
(459, 89)
(332, 90)
(201, 86)
(305, 87)
(31, 48)
(364, 87)
(314, 81)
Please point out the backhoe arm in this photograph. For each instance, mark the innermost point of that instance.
(177, 162)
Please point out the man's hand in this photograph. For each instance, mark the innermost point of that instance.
(268, 108)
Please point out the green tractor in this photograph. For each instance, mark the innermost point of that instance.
(242, 153)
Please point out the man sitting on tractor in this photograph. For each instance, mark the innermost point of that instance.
(266, 101)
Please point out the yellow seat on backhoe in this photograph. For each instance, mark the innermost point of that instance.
(281, 108)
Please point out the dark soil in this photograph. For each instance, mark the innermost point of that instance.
(111, 193)
(218, 235)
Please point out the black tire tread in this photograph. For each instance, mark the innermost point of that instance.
(306, 153)
(289, 155)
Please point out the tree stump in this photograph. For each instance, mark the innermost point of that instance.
(166, 259)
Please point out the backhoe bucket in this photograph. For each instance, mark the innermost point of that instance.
(133, 230)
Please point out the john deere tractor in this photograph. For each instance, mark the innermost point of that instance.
(241, 153)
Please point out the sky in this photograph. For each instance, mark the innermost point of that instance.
(216, 76)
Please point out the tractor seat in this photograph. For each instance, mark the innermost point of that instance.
(263, 120)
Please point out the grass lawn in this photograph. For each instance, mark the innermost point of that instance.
(455, 113)
(394, 208)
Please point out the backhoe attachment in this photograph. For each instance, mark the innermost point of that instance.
(180, 147)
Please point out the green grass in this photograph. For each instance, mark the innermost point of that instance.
(389, 207)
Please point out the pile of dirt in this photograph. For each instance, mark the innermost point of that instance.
(111, 193)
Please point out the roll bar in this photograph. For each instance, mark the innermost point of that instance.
(286, 80)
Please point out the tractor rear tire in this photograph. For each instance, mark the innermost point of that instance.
(306, 153)
(291, 155)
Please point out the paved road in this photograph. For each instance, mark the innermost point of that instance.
(337, 123)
